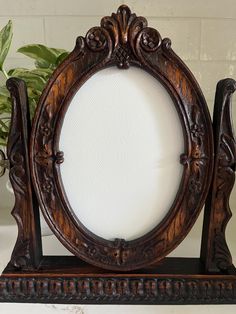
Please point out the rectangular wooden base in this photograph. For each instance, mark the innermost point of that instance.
(77, 283)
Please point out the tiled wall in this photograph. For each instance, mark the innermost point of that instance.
(203, 32)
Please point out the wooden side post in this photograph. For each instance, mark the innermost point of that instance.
(215, 253)
(27, 252)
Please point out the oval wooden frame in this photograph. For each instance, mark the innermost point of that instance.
(123, 40)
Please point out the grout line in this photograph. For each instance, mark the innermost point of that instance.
(52, 15)
(189, 17)
(100, 16)
(211, 61)
(48, 16)
(200, 42)
(44, 31)
(189, 60)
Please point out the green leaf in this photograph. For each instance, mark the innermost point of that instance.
(43, 64)
(5, 42)
(3, 125)
(45, 73)
(62, 57)
(12, 71)
(45, 57)
(6, 119)
(46, 60)
(33, 93)
(4, 101)
(32, 105)
(4, 91)
(5, 105)
(32, 80)
(17, 71)
(3, 143)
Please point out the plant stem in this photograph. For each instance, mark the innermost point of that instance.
(4, 126)
(5, 73)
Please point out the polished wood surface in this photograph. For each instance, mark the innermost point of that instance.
(215, 252)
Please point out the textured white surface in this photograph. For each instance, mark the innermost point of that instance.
(122, 140)
(214, 32)
(116, 309)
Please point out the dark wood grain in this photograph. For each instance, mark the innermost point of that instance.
(215, 252)
(28, 249)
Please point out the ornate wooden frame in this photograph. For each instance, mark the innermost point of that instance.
(123, 40)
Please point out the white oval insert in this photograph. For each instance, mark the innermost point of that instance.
(122, 140)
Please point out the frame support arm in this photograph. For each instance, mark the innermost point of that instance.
(215, 253)
(28, 249)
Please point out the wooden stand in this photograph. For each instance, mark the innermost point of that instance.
(32, 277)
(61, 279)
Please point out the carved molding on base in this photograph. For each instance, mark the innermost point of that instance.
(119, 290)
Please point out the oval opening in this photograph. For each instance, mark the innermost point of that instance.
(122, 140)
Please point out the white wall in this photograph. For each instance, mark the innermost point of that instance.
(203, 33)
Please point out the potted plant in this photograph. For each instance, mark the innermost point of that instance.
(46, 60)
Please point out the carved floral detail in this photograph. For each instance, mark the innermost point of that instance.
(46, 157)
(119, 24)
(47, 185)
(96, 39)
(127, 32)
(197, 131)
(227, 151)
(120, 253)
(45, 129)
(225, 182)
(21, 257)
(17, 168)
(197, 159)
(150, 39)
(195, 186)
